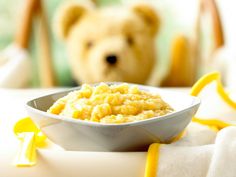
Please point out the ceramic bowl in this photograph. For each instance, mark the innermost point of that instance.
(80, 135)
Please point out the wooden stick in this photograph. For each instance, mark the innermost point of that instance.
(24, 30)
(210, 5)
(46, 72)
(218, 29)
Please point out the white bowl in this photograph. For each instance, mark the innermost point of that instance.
(75, 134)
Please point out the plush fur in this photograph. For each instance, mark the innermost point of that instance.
(109, 44)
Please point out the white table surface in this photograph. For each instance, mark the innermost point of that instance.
(53, 161)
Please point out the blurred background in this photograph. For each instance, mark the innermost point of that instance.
(208, 26)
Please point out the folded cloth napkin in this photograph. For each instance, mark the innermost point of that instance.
(209, 160)
(196, 135)
(203, 150)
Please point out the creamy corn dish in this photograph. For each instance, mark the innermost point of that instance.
(110, 104)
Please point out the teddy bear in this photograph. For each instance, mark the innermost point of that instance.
(109, 43)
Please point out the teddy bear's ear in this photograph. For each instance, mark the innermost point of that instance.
(66, 16)
(149, 15)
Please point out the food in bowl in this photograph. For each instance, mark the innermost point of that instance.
(110, 104)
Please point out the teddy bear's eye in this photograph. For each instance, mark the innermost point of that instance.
(89, 44)
(130, 40)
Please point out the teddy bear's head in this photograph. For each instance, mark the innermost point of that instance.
(109, 44)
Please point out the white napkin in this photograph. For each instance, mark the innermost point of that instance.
(198, 157)
(223, 161)
(195, 135)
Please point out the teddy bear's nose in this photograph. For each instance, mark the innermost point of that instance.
(111, 59)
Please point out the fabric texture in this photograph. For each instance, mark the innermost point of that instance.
(201, 152)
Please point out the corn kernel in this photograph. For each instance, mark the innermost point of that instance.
(110, 104)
